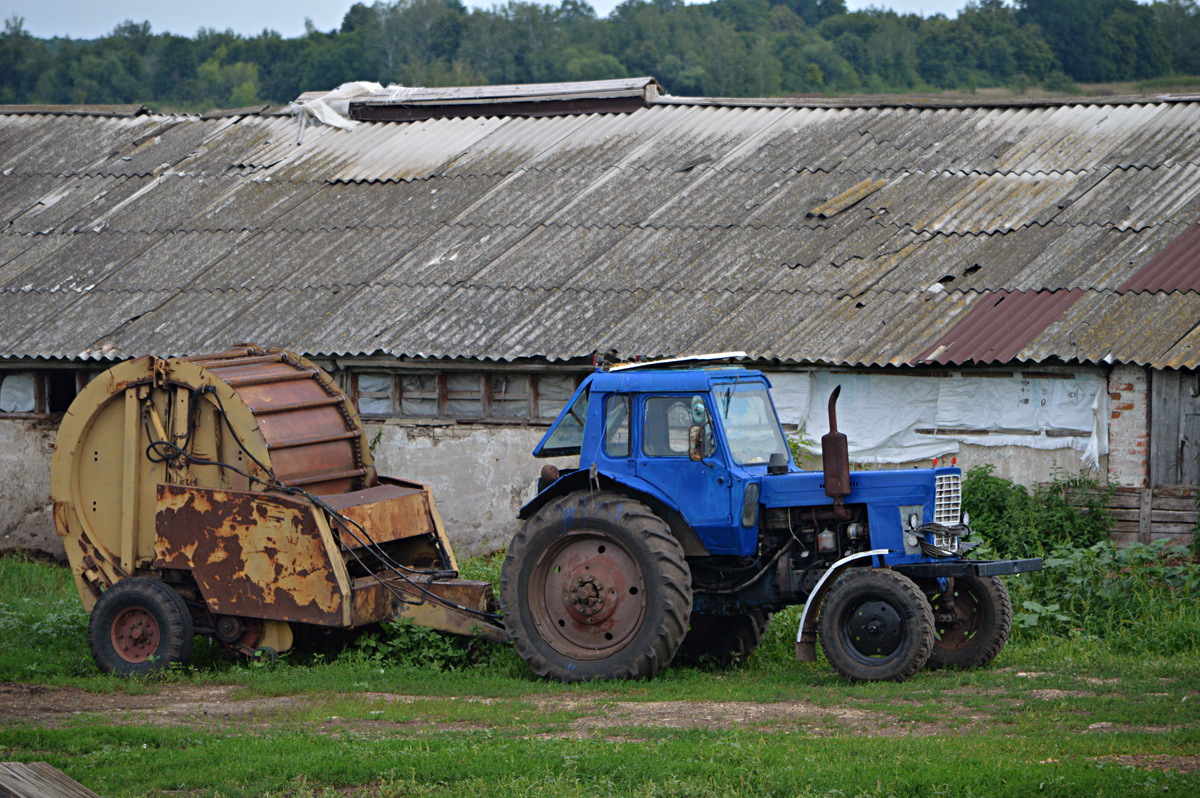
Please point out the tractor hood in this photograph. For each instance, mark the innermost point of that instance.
(901, 486)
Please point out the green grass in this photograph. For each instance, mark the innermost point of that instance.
(1051, 717)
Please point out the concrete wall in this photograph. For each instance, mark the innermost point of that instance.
(1129, 426)
(26, 517)
(481, 474)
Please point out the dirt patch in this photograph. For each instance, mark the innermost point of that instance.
(25, 703)
(1106, 727)
(1058, 695)
(212, 707)
(1178, 764)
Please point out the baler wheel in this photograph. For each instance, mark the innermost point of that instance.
(139, 625)
(595, 587)
(982, 625)
(723, 640)
(875, 625)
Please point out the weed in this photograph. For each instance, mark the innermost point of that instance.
(802, 448)
(1139, 598)
(1070, 510)
(404, 643)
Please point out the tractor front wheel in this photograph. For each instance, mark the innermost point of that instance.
(875, 625)
(595, 587)
(139, 625)
(973, 622)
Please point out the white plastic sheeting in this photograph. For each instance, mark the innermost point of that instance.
(333, 107)
(893, 418)
(17, 392)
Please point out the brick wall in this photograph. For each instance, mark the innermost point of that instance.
(1128, 427)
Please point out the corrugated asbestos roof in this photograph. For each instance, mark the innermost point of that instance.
(844, 234)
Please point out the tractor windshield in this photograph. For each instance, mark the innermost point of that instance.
(751, 426)
(566, 436)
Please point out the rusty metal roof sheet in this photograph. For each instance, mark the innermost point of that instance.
(849, 235)
(999, 325)
(1175, 268)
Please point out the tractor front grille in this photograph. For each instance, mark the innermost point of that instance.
(947, 502)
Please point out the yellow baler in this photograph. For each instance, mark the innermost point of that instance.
(234, 495)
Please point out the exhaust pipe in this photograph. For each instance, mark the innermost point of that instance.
(835, 459)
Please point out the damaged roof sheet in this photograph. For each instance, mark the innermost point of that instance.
(883, 235)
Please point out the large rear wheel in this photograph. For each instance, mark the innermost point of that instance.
(973, 620)
(595, 587)
(875, 625)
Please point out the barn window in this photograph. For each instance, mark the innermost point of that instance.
(512, 397)
(35, 393)
(18, 392)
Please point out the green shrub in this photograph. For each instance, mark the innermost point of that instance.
(1071, 510)
(1136, 599)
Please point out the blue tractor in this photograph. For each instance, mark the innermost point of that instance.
(687, 524)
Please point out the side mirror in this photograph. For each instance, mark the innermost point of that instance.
(696, 443)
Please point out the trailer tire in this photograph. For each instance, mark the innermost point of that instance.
(875, 625)
(595, 587)
(139, 625)
(983, 626)
(723, 640)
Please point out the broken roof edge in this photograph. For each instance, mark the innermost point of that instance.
(646, 88)
(922, 103)
(76, 110)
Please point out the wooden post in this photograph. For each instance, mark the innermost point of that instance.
(1144, 513)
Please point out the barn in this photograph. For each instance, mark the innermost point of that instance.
(1005, 283)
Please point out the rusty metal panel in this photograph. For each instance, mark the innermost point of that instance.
(386, 512)
(252, 554)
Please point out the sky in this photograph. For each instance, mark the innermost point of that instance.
(88, 19)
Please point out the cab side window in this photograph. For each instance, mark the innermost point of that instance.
(616, 426)
(665, 433)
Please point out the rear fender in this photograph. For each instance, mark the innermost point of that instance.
(806, 635)
(632, 487)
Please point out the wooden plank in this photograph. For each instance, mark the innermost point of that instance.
(1158, 516)
(1165, 430)
(1173, 529)
(1176, 491)
(1180, 540)
(1129, 501)
(1127, 515)
(1168, 503)
(1124, 538)
(38, 780)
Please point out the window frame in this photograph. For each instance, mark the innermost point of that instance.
(535, 415)
(646, 420)
(41, 390)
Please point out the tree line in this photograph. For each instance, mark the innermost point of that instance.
(724, 48)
